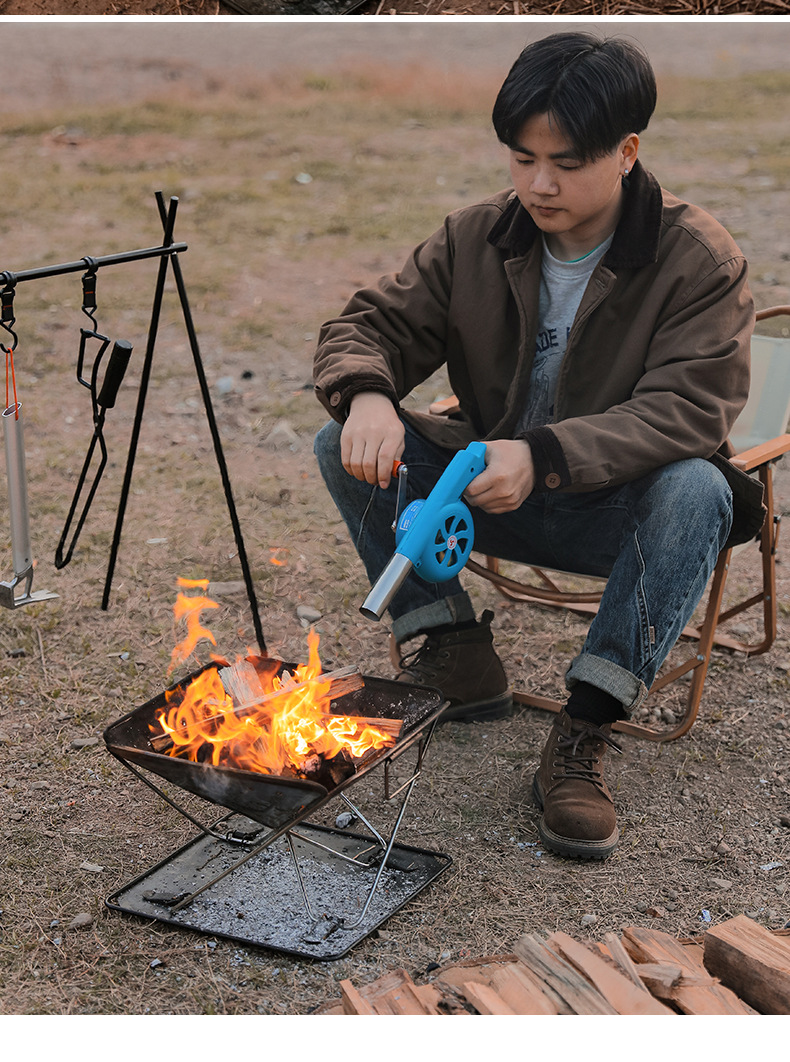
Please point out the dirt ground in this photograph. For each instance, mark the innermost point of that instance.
(399, 8)
(301, 174)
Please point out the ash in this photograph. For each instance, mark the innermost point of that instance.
(261, 901)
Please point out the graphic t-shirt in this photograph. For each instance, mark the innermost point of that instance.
(562, 285)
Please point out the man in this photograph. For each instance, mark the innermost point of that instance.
(596, 333)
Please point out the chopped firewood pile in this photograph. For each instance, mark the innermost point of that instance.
(738, 967)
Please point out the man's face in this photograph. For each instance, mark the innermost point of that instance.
(576, 204)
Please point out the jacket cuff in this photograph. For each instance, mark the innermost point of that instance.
(551, 468)
(337, 400)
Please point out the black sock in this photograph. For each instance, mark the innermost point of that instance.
(594, 705)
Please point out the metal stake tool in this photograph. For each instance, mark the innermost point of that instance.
(13, 431)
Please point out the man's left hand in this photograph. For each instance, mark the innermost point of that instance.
(508, 479)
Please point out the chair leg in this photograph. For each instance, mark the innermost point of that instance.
(697, 665)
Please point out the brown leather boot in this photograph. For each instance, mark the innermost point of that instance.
(464, 667)
(578, 817)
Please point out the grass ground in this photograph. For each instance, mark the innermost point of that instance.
(293, 190)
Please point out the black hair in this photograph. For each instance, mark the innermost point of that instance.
(596, 90)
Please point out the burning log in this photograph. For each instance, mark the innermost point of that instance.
(243, 683)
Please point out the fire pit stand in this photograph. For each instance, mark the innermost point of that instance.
(262, 874)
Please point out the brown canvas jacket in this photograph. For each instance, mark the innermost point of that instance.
(657, 364)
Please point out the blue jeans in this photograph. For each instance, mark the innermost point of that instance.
(655, 539)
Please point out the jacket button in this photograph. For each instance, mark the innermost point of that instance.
(335, 399)
(552, 480)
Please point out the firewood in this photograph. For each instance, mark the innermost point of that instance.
(701, 993)
(242, 682)
(564, 979)
(484, 999)
(507, 977)
(389, 727)
(660, 978)
(617, 989)
(751, 961)
(394, 993)
(623, 961)
(352, 1001)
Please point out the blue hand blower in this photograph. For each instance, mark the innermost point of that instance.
(434, 536)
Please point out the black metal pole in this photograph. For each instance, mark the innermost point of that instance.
(215, 437)
(170, 220)
(8, 277)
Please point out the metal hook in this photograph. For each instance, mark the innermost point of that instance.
(89, 288)
(7, 318)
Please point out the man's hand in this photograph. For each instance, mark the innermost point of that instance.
(508, 479)
(372, 438)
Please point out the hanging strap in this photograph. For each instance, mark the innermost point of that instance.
(7, 321)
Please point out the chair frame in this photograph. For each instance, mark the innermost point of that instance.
(757, 459)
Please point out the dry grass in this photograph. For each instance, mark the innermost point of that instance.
(389, 151)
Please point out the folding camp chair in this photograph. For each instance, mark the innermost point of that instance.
(759, 438)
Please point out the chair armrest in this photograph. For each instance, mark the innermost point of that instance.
(762, 454)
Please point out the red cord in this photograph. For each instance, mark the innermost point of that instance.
(9, 362)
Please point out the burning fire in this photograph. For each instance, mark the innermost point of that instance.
(287, 724)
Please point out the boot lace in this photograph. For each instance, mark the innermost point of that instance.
(577, 757)
(423, 662)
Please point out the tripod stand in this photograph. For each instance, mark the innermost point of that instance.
(167, 253)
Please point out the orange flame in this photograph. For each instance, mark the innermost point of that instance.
(279, 734)
(189, 608)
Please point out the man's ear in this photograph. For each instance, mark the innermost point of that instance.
(629, 151)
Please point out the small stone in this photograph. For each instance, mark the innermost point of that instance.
(282, 437)
(235, 586)
(306, 614)
(721, 883)
(656, 912)
(94, 868)
(722, 848)
(81, 921)
(588, 919)
(5, 739)
(156, 962)
(344, 819)
(84, 743)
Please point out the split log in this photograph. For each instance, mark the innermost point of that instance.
(341, 683)
(614, 986)
(696, 992)
(242, 681)
(660, 978)
(389, 727)
(614, 948)
(353, 1002)
(564, 980)
(751, 961)
(508, 978)
(484, 999)
(395, 993)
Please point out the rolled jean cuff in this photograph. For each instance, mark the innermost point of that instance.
(609, 677)
(455, 609)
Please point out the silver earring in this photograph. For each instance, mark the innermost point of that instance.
(626, 172)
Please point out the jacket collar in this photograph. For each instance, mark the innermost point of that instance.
(636, 237)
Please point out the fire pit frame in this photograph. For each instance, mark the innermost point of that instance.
(417, 737)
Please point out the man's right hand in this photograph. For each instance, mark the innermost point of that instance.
(372, 438)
